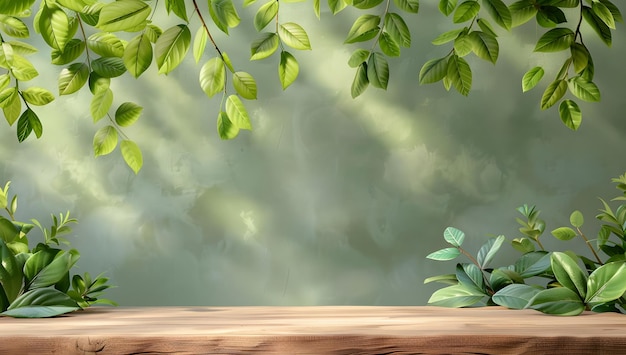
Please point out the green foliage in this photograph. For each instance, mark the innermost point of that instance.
(96, 41)
(35, 282)
(553, 282)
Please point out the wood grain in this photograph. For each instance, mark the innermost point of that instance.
(350, 330)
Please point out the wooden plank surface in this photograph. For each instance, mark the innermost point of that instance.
(313, 330)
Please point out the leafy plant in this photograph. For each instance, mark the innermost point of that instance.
(553, 282)
(36, 282)
(97, 41)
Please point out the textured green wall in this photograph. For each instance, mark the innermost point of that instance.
(329, 200)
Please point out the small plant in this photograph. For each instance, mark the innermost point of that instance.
(36, 282)
(553, 282)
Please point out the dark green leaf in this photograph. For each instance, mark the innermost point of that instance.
(446, 7)
(499, 12)
(398, 29)
(580, 57)
(556, 39)
(597, 25)
(484, 45)
(360, 81)
(460, 74)
(521, 12)
(570, 114)
(410, 6)
(466, 11)
(553, 93)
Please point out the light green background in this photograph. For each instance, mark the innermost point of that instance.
(329, 200)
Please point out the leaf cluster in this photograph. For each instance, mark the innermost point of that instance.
(96, 41)
(35, 282)
(553, 282)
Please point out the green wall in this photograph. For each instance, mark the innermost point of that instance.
(329, 200)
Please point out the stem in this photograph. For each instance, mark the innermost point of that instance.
(475, 262)
(589, 245)
(206, 28)
(539, 243)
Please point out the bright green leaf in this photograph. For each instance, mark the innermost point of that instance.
(531, 78)
(199, 43)
(559, 300)
(378, 70)
(360, 81)
(460, 74)
(570, 114)
(288, 69)
(358, 56)
(388, 45)
(37, 96)
(583, 89)
(515, 296)
(398, 29)
(237, 113)
(265, 14)
(127, 114)
(213, 76)
(433, 70)
(484, 45)
(132, 155)
(100, 104)
(364, 28)
(138, 55)
(108, 67)
(245, 85)
(448, 36)
(104, 141)
(72, 78)
(264, 46)
(294, 35)
(580, 57)
(466, 11)
(568, 273)
(23, 69)
(564, 233)
(556, 39)
(171, 48)
(225, 128)
(73, 49)
(553, 93)
(410, 6)
(499, 12)
(603, 13)
(123, 15)
(444, 254)
(446, 7)
(105, 44)
(489, 250)
(606, 283)
(455, 296)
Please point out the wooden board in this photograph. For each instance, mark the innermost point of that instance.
(349, 330)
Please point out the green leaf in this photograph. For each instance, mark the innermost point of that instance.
(364, 28)
(100, 104)
(444, 254)
(583, 89)
(237, 113)
(265, 14)
(245, 85)
(126, 15)
(108, 67)
(576, 219)
(105, 44)
(553, 93)
(462, 45)
(466, 11)
(316, 8)
(532, 264)
(617, 15)
(43, 297)
(132, 155)
(499, 12)
(37, 96)
(388, 45)
(264, 46)
(448, 36)
(13, 26)
(410, 6)
(43, 272)
(558, 300)
(38, 311)
(460, 74)
(515, 296)
(288, 69)
(228, 63)
(603, 13)
(11, 104)
(484, 45)
(398, 29)
(213, 76)
(104, 141)
(138, 55)
(523, 245)
(358, 56)
(171, 48)
(550, 16)
(366, 4)
(15, 7)
(127, 114)
(596, 23)
(22, 47)
(446, 7)
(485, 26)
(454, 236)
(580, 57)
(10, 273)
(606, 283)
(378, 70)
(73, 49)
(178, 7)
(568, 273)
(489, 250)
(54, 26)
(531, 78)
(28, 122)
(570, 114)
(470, 276)
(72, 78)
(433, 70)
(23, 69)
(336, 6)
(522, 11)
(455, 296)
(199, 43)
(556, 39)
(294, 35)
(225, 128)
(153, 32)
(360, 81)
(98, 83)
(225, 13)
(449, 279)
(5, 80)
(564, 233)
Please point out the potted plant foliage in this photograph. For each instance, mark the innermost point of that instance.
(36, 282)
(553, 282)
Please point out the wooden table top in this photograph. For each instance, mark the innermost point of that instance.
(314, 330)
